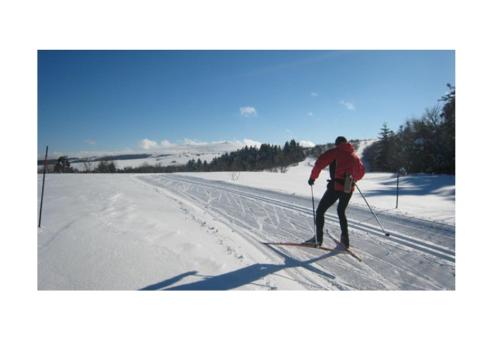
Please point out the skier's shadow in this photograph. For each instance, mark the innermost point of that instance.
(243, 276)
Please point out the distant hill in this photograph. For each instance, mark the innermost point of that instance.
(175, 154)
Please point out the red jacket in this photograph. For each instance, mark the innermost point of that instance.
(342, 159)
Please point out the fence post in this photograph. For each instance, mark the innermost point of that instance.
(401, 172)
(397, 191)
(43, 186)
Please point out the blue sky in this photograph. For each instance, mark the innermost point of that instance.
(114, 100)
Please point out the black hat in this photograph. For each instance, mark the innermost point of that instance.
(340, 140)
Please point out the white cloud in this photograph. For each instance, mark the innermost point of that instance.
(314, 94)
(307, 144)
(90, 141)
(348, 105)
(166, 143)
(148, 144)
(248, 111)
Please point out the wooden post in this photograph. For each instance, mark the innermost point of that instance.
(397, 191)
(43, 186)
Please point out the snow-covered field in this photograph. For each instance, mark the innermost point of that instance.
(154, 160)
(192, 231)
(163, 155)
(115, 232)
(430, 197)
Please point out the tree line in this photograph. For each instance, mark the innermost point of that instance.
(425, 144)
(266, 157)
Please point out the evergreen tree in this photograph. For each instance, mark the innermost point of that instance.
(254, 159)
(447, 134)
(426, 144)
(385, 149)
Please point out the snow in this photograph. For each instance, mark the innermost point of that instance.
(192, 231)
(155, 160)
(164, 153)
(114, 232)
(430, 197)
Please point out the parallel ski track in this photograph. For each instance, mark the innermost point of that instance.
(396, 237)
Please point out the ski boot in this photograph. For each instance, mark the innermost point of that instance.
(344, 239)
(317, 242)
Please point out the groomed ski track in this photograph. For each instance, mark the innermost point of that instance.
(419, 254)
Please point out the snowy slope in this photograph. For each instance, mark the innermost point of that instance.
(418, 254)
(182, 232)
(156, 160)
(114, 232)
(430, 197)
(363, 144)
(163, 155)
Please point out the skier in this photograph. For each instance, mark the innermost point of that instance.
(346, 168)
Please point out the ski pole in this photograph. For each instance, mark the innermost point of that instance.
(314, 214)
(376, 218)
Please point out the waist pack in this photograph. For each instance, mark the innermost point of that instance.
(347, 182)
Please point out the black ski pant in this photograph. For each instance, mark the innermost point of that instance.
(329, 198)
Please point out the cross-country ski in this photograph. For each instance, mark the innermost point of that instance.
(339, 247)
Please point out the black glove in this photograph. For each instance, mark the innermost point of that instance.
(311, 182)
